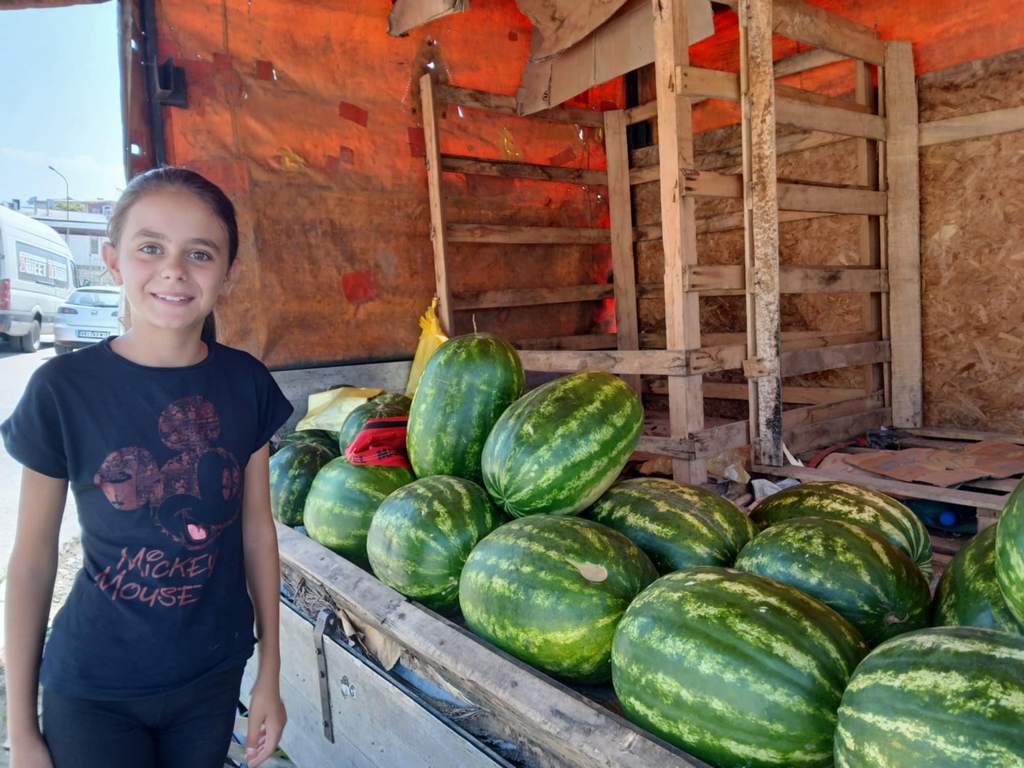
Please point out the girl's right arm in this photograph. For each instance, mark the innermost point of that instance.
(30, 576)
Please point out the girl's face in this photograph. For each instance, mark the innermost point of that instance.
(172, 260)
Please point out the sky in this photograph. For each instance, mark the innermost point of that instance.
(60, 102)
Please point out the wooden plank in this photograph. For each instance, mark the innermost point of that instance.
(513, 170)
(545, 717)
(815, 26)
(621, 214)
(642, 112)
(728, 279)
(528, 297)
(1005, 485)
(515, 235)
(802, 395)
(833, 431)
(655, 362)
(801, 62)
(582, 341)
(904, 235)
(726, 222)
(981, 501)
(973, 126)
(824, 199)
(951, 433)
(831, 358)
(830, 119)
(792, 93)
(696, 183)
(797, 418)
(679, 226)
(791, 340)
(438, 225)
(496, 102)
(703, 445)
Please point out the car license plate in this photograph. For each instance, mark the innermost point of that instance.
(92, 335)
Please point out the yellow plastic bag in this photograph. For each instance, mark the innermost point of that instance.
(328, 410)
(432, 336)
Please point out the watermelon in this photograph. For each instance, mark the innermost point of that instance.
(466, 385)
(936, 698)
(1010, 552)
(676, 525)
(375, 408)
(341, 503)
(550, 591)
(558, 448)
(422, 534)
(736, 669)
(322, 437)
(292, 470)
(851, 568)
(968, 594)
(867, 506)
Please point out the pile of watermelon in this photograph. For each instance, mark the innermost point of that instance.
(802, 634)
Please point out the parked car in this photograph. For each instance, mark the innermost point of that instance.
(36, 273)
(89, 315)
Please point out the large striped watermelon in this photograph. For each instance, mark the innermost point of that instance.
(375, 408)
(422, 534)
(734, 668)
(677, 525)
(292, 470)
(968, 594)
(341, 503)
(551, 590)
(1010, 552)
(851, 568)
(867, 506)
(947, 697)
(323, 437)
(466, 385)
(559, 447)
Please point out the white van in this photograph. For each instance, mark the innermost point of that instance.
(36, 274)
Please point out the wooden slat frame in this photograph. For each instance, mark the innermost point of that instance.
(515, 170)
(800, 362)
(703, 445)
(654, 362)
(519, 235)
(974, 126)
(529, 297)
(435, 191)
(506, 105)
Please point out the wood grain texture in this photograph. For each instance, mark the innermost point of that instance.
(438, 226)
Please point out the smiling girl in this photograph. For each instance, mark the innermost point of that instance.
(162, 435)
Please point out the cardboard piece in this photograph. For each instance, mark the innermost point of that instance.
(406, 15)
(560, 24)
(622, 44)
(945, 468)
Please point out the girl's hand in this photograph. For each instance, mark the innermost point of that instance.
(266, 722)
(30, 753)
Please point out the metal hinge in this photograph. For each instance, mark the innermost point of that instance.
(325, 621)
(169, 85)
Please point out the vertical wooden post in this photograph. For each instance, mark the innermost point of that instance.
(438, 232)
(870, 231)
(623, 267)
(762, 223)
(678, 226)
(904, 234)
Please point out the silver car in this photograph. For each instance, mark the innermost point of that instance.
(87, 316)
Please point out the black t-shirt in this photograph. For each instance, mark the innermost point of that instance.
(156, 460)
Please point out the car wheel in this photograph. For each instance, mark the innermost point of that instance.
(30, 341)
(61, 349)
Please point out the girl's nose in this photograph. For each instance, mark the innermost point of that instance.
(173, 268)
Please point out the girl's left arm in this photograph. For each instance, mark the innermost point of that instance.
(263, 574)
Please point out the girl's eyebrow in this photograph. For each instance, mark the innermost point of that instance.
(153, 234)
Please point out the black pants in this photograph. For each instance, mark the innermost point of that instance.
(187, 728)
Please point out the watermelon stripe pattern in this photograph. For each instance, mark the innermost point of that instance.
(942, 698)
(422, 534)
(1010, 552)
(534, 588)
(969, 595)
(866, 506)
(558, 448)
(376, 408)
(851, 568)
(676, 525)
(292, 471)
(735, 669)
(466, 385)
(342, 501)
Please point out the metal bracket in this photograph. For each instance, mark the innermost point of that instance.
(325, 621)
(169, 87)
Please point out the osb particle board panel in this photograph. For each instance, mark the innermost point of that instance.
(972, 253)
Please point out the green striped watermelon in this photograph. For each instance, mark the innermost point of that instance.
(736, 669)
(422, 534)
(968, 594)
(676, 525)
(322, 437)
(341, 503)
(559, 447)
(947, 697)
(375, 408)
(292, 470)
(851, 568)
(867, 506)
(1010, 552)
(466, 385)
(550, 590)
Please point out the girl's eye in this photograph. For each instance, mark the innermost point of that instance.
(150, 250)
(201, 256)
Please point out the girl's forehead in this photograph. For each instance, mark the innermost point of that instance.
(177, 214)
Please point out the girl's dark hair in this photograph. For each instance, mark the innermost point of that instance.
(177, 177)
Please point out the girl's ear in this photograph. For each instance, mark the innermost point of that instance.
(110, 259)
(230, 279)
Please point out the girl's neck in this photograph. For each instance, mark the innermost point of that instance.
(160, 349)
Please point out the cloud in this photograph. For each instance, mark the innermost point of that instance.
(24, 173)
